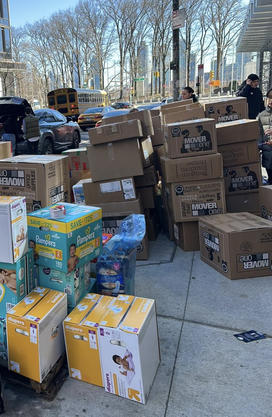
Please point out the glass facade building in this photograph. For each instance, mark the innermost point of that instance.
(5, 38)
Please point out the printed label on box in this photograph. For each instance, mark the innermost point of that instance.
(253, 261)
(110, 187)
(128, 189)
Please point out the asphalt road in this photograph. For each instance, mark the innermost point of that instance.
(84, 138)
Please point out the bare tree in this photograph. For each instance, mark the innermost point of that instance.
(225, 18)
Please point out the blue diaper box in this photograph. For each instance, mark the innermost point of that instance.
(67, 243)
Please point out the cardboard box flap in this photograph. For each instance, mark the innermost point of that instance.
(75, 152)
(22, 308)
(109, 311)
(235, 122)
(83, 308)
(41, 309)
(237, 222)
(34, 159)
(135, 318)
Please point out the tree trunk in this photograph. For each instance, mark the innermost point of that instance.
(218, 62)
(163, 75)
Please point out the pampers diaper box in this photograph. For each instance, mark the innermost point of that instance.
(35, 334)
(13, 226)
(75, 284)
(67, 242)
(14, 282)
(81, 329)
(129, 351)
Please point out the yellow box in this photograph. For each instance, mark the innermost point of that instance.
(81, 333)
(35, 334)
(129, 351)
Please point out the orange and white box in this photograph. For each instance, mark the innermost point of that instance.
(129, 351)
(81, 329)
(13, 226)
(35, 334)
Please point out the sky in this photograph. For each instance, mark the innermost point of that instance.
(29, 11)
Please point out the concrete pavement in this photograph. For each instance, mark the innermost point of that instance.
(205, 371)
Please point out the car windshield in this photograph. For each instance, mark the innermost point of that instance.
(92, 110)
(115, 113)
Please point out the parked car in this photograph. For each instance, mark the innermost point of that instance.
(112, 114)
(58, 133)
(167, 100)
(91, 116)
(122, 105)
(148, 106)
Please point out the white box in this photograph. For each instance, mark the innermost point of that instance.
(13, 227)
(129, 353)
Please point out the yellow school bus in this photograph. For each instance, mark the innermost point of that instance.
(74, 101)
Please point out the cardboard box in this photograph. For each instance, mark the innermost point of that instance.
(265, 201)
(13, 286)
(78, 159)
(114, 160)
(181, 114)
(237, 131)
(42, 179)
(66, 243)
(34, 333)
(144, 116)
(239, 245)
(32, 272)
(109, 191)
(75, 284)
(195, 168)
(242, 178)
(187, 236)
(155, 111)
(147, 152)
(190, 200)
(76, 176)
(5, 150)
(190, 138)
(121, 209)
(115, 132)
(147, 196)
(238, 203)
(158, 137)
(175, 104)
(13, 226)
(239, 153)
(227, 110)
(142, 253)
(149, 178)
(135, 340)
(81, 329)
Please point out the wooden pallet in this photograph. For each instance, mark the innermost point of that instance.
(50, 385)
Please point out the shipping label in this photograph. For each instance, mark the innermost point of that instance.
(110, 187)
(128, 189)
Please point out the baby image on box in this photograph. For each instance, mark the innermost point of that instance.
(125, 364)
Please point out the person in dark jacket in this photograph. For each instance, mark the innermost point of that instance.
(250, 90)
(265, 143)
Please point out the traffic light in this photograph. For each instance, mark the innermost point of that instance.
(211, 75)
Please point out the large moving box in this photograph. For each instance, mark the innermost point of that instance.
(13, 226)
(144, 116)
(243, 202)
(237, 131)
(78, 159)
(239, 245)
(115, 132)
(239, 153)
(5, 150)
(227, 110)
(190, 200)
(191, 138)
(195, 168)
(265, 202)
(66, 243)
(157, 138)
(150, 177)
(180, 114)
(122, 189)
(242, 178)
(129, 351)
(187, 236)
(34, 333)
(42, 179)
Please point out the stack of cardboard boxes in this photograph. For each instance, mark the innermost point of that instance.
(192, 174)
(238, 143)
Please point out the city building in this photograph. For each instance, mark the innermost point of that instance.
(7, 66)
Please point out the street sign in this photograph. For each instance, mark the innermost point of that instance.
(139, 79)
(178, 19)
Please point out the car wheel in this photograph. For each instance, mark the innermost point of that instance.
(46, 147)
(76, 140)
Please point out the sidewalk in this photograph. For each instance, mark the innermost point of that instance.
(205, 371)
